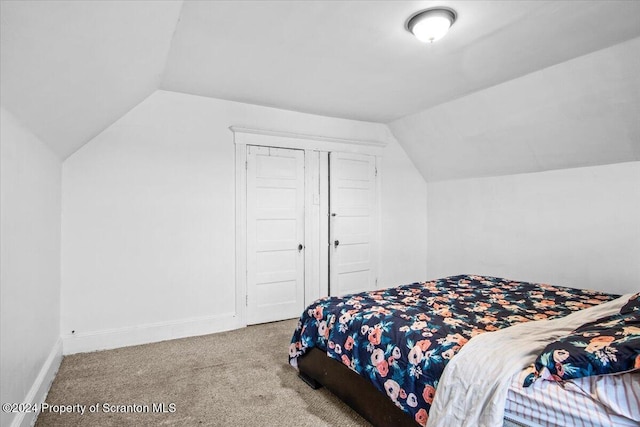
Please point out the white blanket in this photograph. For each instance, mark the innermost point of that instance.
(473, 388)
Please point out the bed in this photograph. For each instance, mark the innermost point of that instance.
(384, 352)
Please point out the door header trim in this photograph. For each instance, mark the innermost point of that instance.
(282, 139)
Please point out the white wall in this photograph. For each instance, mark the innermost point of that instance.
(30, 273)
(403, 219)
(149, 223)
(576, 227)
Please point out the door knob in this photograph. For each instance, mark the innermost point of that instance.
(300, 247)
(336, 243)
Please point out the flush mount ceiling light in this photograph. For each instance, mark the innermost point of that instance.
(431, 24)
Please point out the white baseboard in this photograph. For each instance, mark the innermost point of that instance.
(148, 333)
(40, 388)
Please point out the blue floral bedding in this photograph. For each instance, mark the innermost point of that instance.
(609, 345)
(400, 339)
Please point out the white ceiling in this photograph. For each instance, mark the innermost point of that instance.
(354, 59)
(71, 68)
(582, 112)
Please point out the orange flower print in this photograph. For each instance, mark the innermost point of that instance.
(348, 344)
(637, 365)
(403, 394)
(422, 417)
(428, 393)
(598, 343)
(424, 344)
(383, 368)
(374, 335)
(476, 331)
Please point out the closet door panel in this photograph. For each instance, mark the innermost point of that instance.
(275, 233)
(352, 245)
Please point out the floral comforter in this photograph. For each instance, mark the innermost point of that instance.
(401, 339)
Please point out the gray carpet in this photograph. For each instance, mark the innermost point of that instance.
(237, 378)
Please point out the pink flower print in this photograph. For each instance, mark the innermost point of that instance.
(422, 417)
(412, 400)
(377, 357)
(448, 354)
(418, 324)
(293, 351)
(346, 360)
(395, 353)
(415, 355)
(428, 393)
(323, 330)
(560, 356)
(375, 334)
(383, 368)
(348, 344)
(317, 312)
(392, 388)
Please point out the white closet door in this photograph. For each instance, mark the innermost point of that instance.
(352, 194)
(275, 234)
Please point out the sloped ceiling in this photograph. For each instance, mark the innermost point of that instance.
(71, 68)
(582, 112)
(355, 60)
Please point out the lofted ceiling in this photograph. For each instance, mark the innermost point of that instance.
(69, 69)
(354, 59)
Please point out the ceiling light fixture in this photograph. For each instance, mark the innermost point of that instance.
(431, 24)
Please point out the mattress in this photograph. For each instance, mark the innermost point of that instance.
(605, 400)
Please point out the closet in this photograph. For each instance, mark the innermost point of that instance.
(307, 221)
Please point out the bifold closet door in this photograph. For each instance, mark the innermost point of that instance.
(352, 223)
(275, 234)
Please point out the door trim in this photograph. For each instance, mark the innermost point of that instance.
(280, 139)
(310, 144)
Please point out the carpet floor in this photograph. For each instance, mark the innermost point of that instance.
(236, 378)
